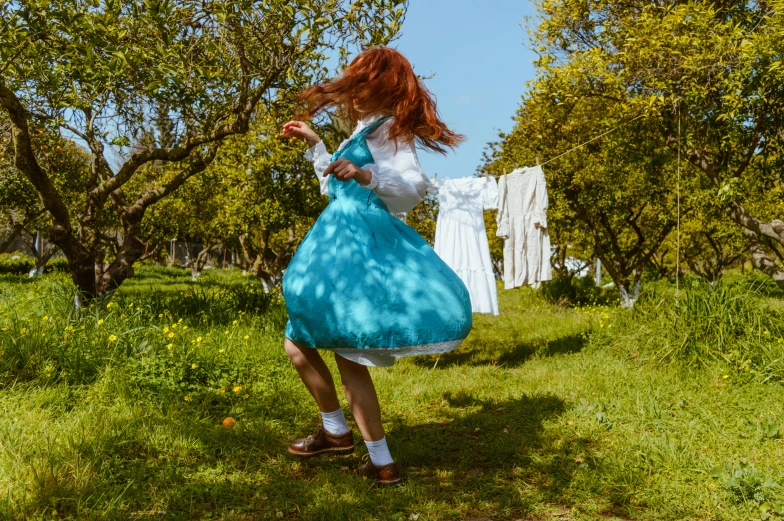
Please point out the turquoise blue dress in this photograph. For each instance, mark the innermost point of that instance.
(364, 280)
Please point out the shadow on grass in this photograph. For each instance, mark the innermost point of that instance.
(477, 457)
(508, 354)
(477, 460)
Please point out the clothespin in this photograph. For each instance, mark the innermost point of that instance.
(435, 178)
(487, 174)
(538, 160)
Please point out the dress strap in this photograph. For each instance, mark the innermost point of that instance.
(371, 128)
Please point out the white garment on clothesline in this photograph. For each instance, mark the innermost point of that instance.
(522, 222)
(461, 238)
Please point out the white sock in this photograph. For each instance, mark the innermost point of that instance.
(379, 452)
(335, 422)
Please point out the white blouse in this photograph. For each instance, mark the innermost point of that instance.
(397, 177)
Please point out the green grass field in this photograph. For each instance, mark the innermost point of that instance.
(544, 413)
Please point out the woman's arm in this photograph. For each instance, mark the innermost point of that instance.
(317, 153)
(321, 159)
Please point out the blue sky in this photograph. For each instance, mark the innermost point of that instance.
(477, 50)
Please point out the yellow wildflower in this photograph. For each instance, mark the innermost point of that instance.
(188, 398)
(100, 321)
(174, 326)
(46, 317)
(160, 315)
(179, 321)
(221, 350)
(184, 328)
(171, 335)
(226, 332)
(198, 339)
(235, 322)
(112, 338)
(109, 305)
(169, 346)
(194, 366)
(165, 329)
(246, 337)
(223, 391)
(237, 389)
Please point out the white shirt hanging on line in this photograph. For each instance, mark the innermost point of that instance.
(461, 238)
(522, 222)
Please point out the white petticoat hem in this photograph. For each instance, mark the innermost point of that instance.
(385, 357)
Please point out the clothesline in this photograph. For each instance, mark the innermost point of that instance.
(591, 140)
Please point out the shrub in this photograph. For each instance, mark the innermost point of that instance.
(15, 264)
(744, 483)
(42, 336)
(59, 265)
(722, 323)
(574, 291)
(20, 264)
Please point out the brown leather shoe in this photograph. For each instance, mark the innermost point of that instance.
(385, 475)
(322, 442)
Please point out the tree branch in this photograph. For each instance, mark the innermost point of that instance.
(27, 163)
(197, 164)
(761, 261)
(244, 111)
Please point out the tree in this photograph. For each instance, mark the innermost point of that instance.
(711, 243)
(709, 74)
(613, 199)
(100, 70)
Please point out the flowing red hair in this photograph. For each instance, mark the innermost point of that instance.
(381, 80)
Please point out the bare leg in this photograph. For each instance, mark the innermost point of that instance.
(362, 398)
(314, 374)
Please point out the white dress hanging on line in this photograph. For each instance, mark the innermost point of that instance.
(522, 222)
(461, 238)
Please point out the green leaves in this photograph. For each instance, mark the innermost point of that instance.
(709, 83)
(97, 70)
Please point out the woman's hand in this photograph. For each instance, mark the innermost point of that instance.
(344, 170)
(300, 130)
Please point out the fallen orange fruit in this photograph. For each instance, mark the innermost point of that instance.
(229, 422)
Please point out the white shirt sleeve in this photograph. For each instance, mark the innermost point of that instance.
(541, 201)
(321, 159)
(490, 194)
(397, 176)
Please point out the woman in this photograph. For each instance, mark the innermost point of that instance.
(363, 284)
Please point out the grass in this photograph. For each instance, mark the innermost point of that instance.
(544, 413)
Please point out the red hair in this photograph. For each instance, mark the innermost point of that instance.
(381, 80)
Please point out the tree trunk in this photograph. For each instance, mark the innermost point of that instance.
(626, 279)
(201, 260)
(629, 298)
(40, 254)
(761, 260)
